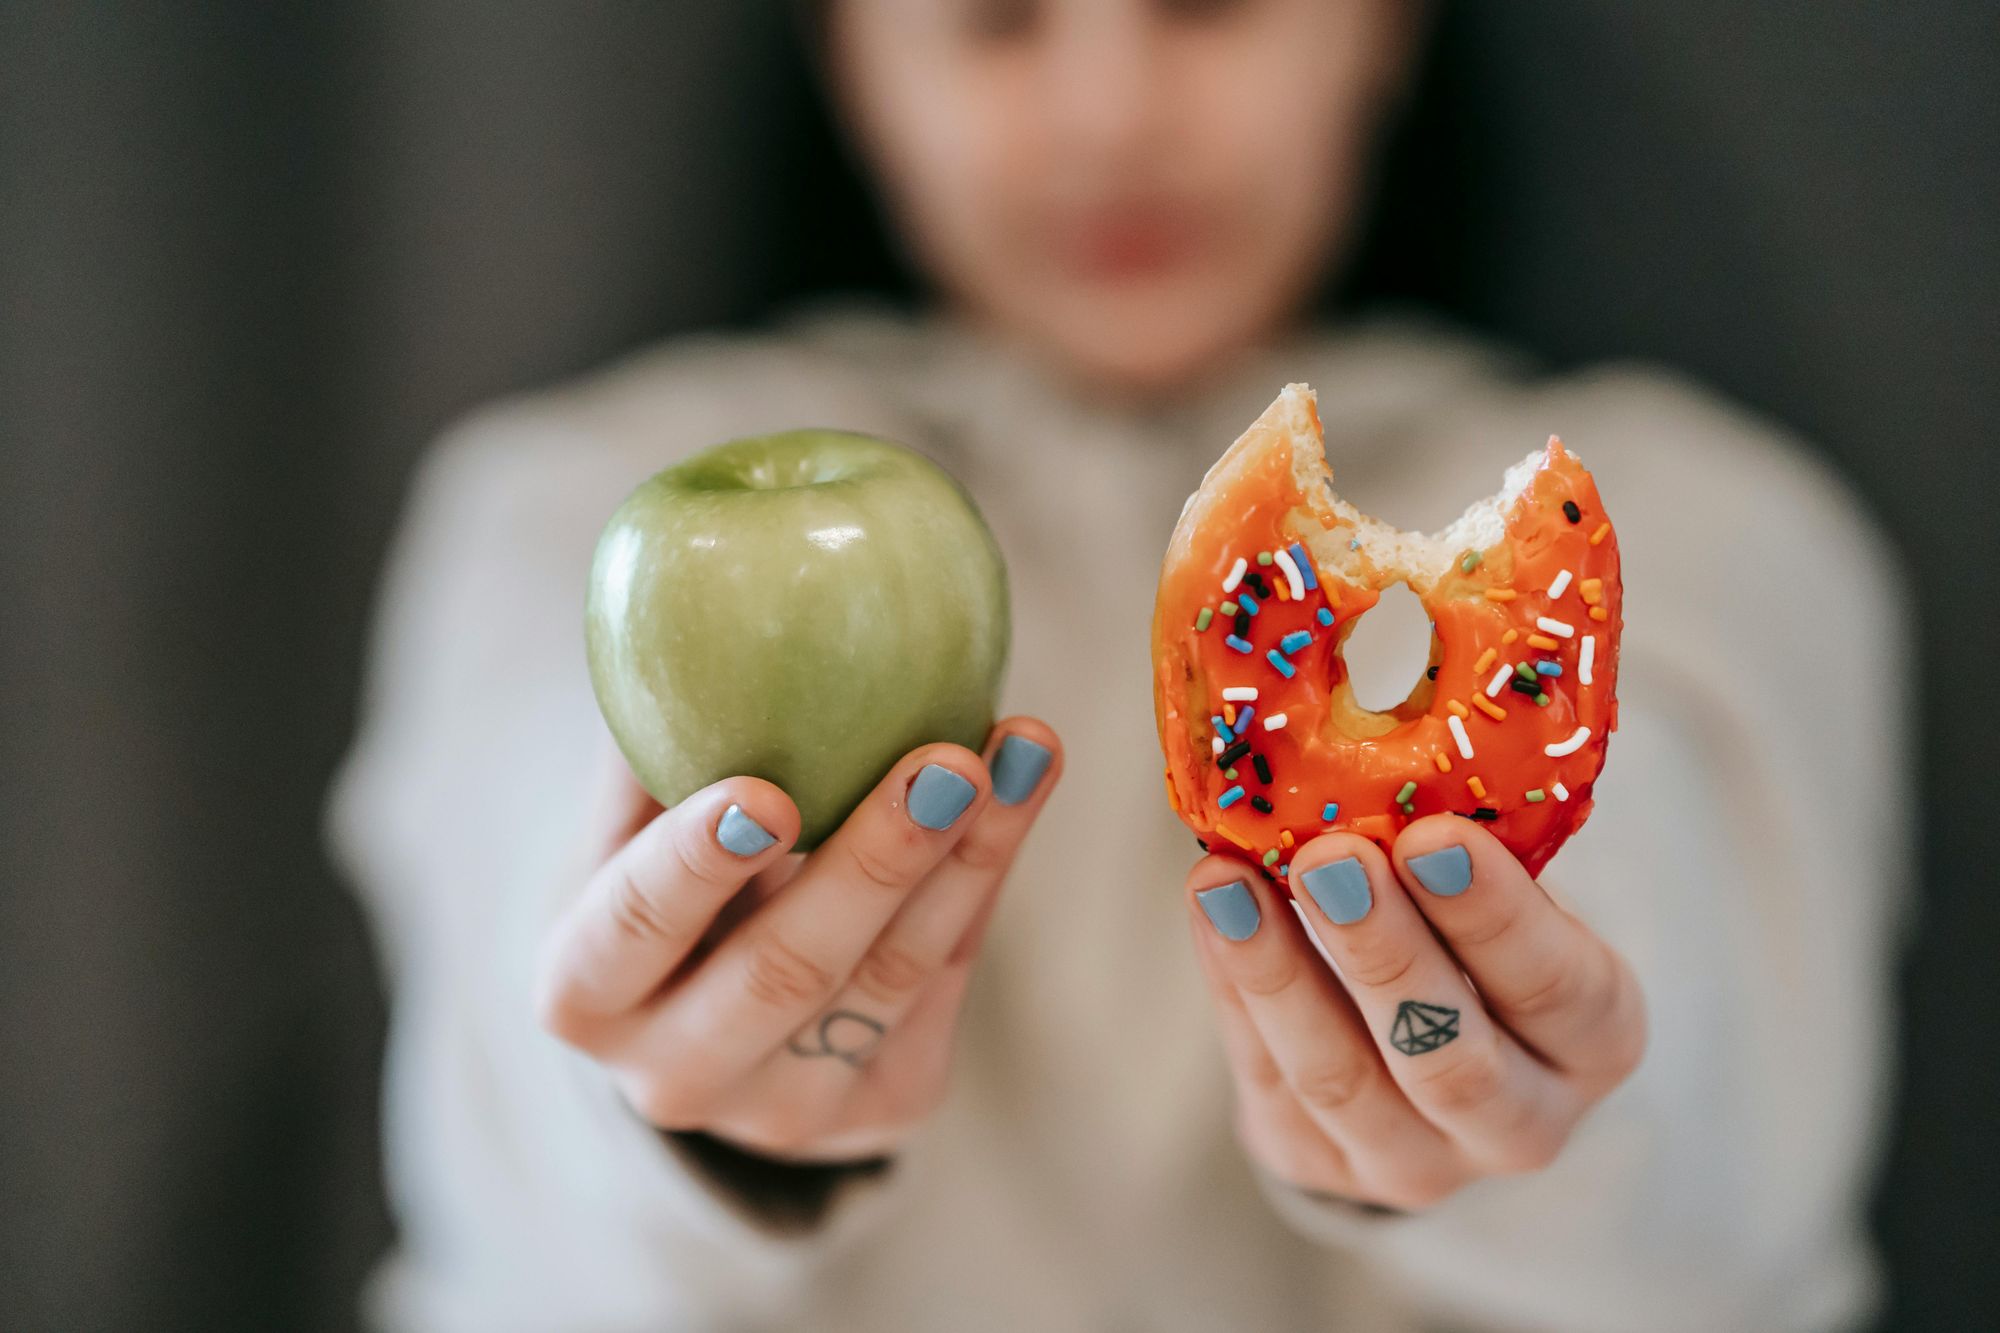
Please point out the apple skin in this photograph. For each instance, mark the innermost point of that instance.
(805, 607)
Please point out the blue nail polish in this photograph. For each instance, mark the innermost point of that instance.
(939, 796)
(1017, 768)
(1341, 890)
(741, 834)
(1231, 909)
(1445, 872)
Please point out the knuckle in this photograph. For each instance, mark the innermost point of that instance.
(1489, 932)
(634, 913)
(1268, 976)
(983, 854)
(1382, 964)
(890, 973)
(1416, 1191)
(1556, 991)
(780, 976)
(557, 1014)
(1261, 1072)
(1332, 1088)
(880, 869)
(667, 1103)
(1468, 1084)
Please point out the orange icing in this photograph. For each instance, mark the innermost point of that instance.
(1330, 749)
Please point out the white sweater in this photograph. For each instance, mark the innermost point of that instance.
(1747, 853)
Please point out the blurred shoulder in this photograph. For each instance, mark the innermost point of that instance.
(646, 410)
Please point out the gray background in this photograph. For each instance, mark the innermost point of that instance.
(252, 256)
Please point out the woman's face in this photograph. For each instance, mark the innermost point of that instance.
(1138, 187)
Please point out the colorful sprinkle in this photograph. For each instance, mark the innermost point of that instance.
(1235, 752)
(1222, 728)
(1215, 745)
(1230, 797)
(1598, 536)
(1499, 681)
(1408, 790)
(1330, 811)
(1541, 700)
(1284, 591)
(1492, 710)
(1325, 616)
(1586, 658)
(1562, 792)
(1239, 643)
(1457, 709)
(1408, 809)
(1261, 804)
(1234, 837)
(1599, 613)
(1510, 636)
(1571, 512)
(1256, 582)
(1548, 668)
(1570, 746)
(1476, 787)
(1560, 586)
(1294, 576)
(1201, 620)
(1591, 590)
(1247, 602)
(1458, 735)
(1294, 641)
(1304, 563)
(1543, 642)
(1353, 543)
(1285, 669)
(1264, 558)
(1285, 838)
(1239, 693)
(1442, 760)
(1485, 660)
(1229, 714)
(1235, 574)
(1271, 857)
(1524, 671)
(1501, 594)
(1263, 767)
(1535, 795)
(1471, 561)
(1555, 627)
(1243, 720)
(1229, 608)
(1484, 813)
(1229, 773)
(1275, 722)
(1240, 626)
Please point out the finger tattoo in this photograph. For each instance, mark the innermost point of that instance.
(1421, 1027)
(841, 1033)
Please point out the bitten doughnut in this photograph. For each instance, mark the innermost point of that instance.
(1267, 574)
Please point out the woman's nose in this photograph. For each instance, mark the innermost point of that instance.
(1105, 83)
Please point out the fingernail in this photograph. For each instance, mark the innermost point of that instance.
(939, 796)
(1231, 909)
(1445, 872)
(1341, 890)
(741, 834)
(1017, 768)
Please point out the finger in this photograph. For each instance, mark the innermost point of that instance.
(1460, 1070)
(1024, 759)
(647, 906)
(1273, 1127)
(782, 966)
(1544, 974)
(1255, 948)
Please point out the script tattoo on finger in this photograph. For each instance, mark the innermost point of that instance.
(841, 1033)
(1421, 1027)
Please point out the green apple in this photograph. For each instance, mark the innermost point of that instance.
(805, 607)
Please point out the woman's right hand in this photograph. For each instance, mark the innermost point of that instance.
(798, 1007)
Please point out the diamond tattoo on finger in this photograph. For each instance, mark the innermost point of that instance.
(1421, 1027)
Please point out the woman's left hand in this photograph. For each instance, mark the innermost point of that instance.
(1397, 1082)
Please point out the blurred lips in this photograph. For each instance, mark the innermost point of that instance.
(1129, 239)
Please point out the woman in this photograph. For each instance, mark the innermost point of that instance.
(674, 1078)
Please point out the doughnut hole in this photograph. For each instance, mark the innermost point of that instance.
(1387, 650)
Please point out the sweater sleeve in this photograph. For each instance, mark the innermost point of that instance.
(527, 1194)
(1749, 855)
